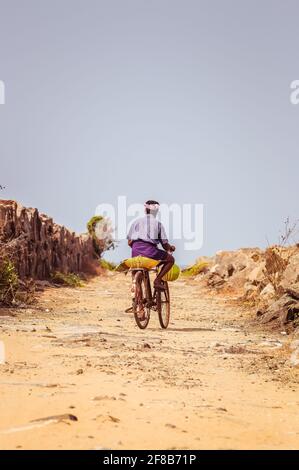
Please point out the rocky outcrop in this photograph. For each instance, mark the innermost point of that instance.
(267, 279)
(38, 246)
(234, 268)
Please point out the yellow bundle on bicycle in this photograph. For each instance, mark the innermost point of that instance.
(137, 262)
(172, 274)
(147, 263)
(141, 262)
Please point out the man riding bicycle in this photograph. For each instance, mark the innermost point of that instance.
(144, 236)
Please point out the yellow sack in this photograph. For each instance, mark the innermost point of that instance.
(121, 268)
(137, 262)
(147, 263)
(141, 262)
(172, 274)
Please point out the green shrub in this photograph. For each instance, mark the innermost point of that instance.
(107, 265)
(100, 230)
(92, 223)
(195, 269)
(9, 282)
(70, 279)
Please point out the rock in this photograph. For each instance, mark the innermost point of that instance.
(236, 349)
(40, 247)
(294, 359)
(230, 270)
(293, 291)
(215, 280)
(218, 270)
(240, 259)
(113, 419)
(64, 417)
(291, 273)
(283, 310)
(267, 291)
(257, 274)
(104, 397)
(250, 289)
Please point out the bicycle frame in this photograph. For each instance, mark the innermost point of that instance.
(146, 273)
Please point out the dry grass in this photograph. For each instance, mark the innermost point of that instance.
(277, 259)
(197, 268)
(107, 265)
(69, 280)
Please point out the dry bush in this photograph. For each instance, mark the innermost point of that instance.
(277, 257)
(9, 282)
(289, 233)
(13, 291)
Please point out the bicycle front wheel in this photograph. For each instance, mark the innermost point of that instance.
(163, 306)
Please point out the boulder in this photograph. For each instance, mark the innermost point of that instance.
(234, 267)
(267, 291)
(293, 291)
(257, 274)
(291, 273)
(283, 310)
(215, 280)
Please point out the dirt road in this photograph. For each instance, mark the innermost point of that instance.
(206, 382)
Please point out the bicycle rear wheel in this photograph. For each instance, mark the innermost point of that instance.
(163, 305)
(140, 306)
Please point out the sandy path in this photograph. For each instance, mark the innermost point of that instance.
(200, 384)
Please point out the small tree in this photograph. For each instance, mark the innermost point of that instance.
(101, 231)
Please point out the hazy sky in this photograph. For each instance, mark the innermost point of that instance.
(176, 100)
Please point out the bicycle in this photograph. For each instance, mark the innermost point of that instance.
(144, 299)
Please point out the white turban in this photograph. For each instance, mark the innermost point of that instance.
(152, 207)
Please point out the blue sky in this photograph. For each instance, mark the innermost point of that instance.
(179, 101)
